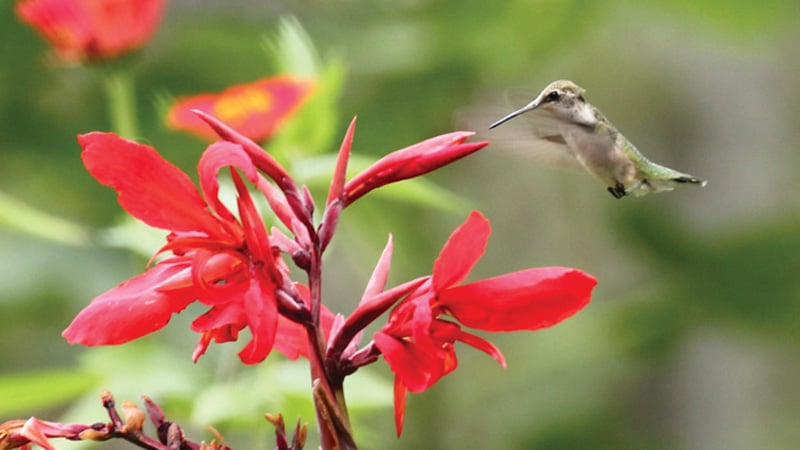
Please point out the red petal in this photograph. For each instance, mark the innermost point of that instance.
(63, 24)
(414, 366)
(482, 345)
(292, 338)
(369, 310)
(277, 202)
(377, 282)
(255, 233)
(149, 188)
(336, 197)
(255, 109)
(228, 316)
(340, 172)
(400, 394)
(92, 29)
(263, 160)
(421, 359)
(262, 319)
(121, 25)
(131, 310)
(32, 432)
(525, 300)
(461, 252)
(217, 156)
(182, 117)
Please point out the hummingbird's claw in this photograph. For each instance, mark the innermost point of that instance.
(618, 191)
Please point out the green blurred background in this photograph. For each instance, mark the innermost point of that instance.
(691, 340)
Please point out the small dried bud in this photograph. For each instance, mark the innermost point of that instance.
(274, 419)
(300, 434)
(134, 417)
(91, 434)
(302, 259)
(107, 398)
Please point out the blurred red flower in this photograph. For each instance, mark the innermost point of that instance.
(90, 30)
(418, 342)
(255, 109)
(224, 262)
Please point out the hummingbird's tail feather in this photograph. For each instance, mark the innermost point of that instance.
(662, 184)
(688, 179)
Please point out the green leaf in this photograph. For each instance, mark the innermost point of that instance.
(25, 392)
(21, 216)
(292, 50)
(312, 128)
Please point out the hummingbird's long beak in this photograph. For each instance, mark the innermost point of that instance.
(529, 107)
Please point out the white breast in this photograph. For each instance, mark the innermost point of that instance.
(598, 154)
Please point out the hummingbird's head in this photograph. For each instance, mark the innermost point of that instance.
(563, 99)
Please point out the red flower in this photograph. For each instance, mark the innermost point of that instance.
(88, 30)
(256, 109)
(224, 262)
(418, 342)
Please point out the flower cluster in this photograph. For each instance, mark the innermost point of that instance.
(231, 263)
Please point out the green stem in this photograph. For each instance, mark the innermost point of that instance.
(16, 214)
(121, 100)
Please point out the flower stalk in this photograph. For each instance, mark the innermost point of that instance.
(119, 88)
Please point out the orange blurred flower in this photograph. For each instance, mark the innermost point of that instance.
(255, 109)
(90, 30)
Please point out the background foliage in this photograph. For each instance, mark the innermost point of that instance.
(692, 337)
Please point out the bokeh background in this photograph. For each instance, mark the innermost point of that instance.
(691, 341)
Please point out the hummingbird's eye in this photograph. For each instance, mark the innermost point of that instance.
(552, 97)
(580, 99)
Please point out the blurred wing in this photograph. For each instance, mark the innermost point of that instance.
(533, 136)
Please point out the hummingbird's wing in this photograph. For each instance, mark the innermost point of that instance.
(533, 136)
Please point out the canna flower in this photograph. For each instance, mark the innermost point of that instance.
(91, 30)
(224, 262)
(255, 109)
(418, 340)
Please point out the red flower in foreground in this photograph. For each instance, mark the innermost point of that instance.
(224, 262)
(88, 30)
(255, 109)
(418, 340)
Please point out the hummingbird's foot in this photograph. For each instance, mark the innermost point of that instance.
(618, 191)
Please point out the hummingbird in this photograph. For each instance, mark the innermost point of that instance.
(587, 138)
